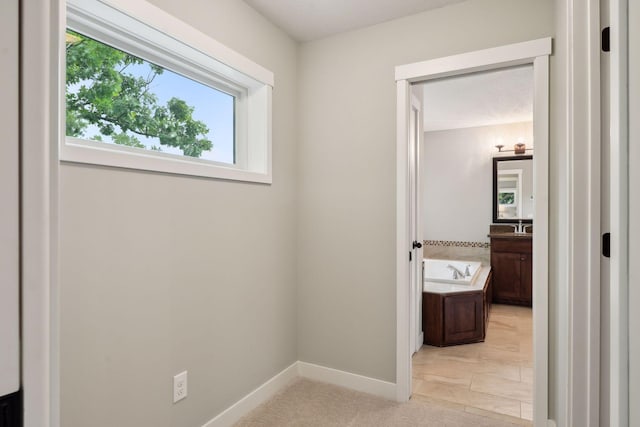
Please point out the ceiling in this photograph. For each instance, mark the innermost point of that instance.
(307, 20)
(480, 99)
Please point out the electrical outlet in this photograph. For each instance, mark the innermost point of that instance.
(179, 386)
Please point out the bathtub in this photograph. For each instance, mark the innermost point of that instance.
(442, 271)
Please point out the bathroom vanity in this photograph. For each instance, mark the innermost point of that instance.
(453, 316)
(511, 264)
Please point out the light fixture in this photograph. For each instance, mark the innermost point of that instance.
(519, 148)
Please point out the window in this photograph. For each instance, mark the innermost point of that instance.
(178, 102)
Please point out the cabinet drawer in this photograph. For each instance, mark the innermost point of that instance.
(511, 245)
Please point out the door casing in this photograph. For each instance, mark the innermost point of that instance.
(534, 52)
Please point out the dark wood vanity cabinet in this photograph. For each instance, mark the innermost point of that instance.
(511, 264)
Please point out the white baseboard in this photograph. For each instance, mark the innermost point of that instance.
(306, 370)
(254, 399)
(348, 380)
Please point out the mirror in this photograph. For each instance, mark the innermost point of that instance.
(513, 189)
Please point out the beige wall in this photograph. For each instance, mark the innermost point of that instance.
(163, 273)
(10, 196)
(346, 210)
(154, 272)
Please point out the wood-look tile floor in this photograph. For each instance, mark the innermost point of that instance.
(493, 378)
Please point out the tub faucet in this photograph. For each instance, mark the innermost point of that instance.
(457, 274)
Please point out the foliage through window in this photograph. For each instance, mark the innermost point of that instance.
(117, 98)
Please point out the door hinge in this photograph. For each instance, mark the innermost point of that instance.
(606, 39)
(410, 257)
(606, 245)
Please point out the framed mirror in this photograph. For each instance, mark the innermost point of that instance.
(513, 189)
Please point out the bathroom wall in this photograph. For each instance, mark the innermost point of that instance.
(457, 180)
(347, 176)
(457, 173)
(163, 273)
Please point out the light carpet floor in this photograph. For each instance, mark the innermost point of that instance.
(314, 404)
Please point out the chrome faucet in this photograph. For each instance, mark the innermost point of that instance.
(457, 274)
(519, 227)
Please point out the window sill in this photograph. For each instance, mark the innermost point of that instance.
(75, 150)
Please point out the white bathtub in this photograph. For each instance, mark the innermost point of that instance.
(442, 271)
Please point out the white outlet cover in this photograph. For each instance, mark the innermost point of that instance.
(179, 386)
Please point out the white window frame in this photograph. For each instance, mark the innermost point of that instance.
(144, 30)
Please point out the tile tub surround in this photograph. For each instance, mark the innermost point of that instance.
(494, 377)
(463, 251)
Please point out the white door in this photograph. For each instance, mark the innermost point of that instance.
(9, 200)
(415, 234)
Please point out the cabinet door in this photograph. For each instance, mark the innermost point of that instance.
(526, 278)
(463, 318)
(506, 276)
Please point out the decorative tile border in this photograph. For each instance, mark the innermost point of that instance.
(453, 243)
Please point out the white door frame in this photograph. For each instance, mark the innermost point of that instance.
(39, 132)
(634, 209)
(534, 52)
(619, 228)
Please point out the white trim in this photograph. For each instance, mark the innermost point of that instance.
(403, 361)
(348, 380)
(541, 239)
(242, 407)
(149, 14)
(480, 60)
(634, 209)
(278, 382)
(583, 209)
(39, 239)
(619, 262)
(535, 52)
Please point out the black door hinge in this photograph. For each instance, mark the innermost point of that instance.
(410, 257)
(606, 40)
(606, 245)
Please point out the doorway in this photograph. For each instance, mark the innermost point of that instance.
(478, 346)
(534, 53)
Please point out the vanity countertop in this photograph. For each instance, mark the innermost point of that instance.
(510, 235)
